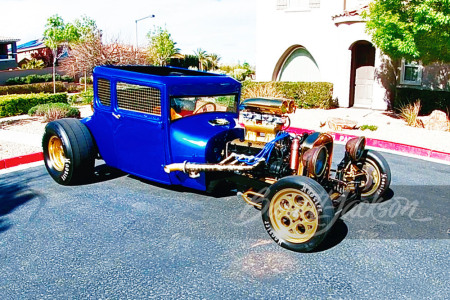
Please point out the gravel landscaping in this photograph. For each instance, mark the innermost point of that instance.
(21, 135)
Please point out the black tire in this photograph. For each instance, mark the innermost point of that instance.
(303, 199)
(69, 151)
(378, 176)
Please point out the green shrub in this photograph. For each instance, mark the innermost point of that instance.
(46, 87)
(305, 94)
(369, 127)
(88, 79)
(83, 97)
(34, 78)
(12, 105)
(54, 111)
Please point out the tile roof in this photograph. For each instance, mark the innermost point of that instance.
(34, 44)
(352, 13)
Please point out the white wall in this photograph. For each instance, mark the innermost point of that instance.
(329, 44)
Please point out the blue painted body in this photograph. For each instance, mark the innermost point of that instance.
(142, 144)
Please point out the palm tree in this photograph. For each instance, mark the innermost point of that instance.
(212, 61)
(202, 58)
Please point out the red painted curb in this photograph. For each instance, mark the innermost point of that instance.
(21, 160)
(339, 137)
(393, 146)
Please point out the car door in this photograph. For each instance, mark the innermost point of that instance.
(139, 132)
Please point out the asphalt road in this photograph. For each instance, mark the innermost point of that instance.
(126, 238)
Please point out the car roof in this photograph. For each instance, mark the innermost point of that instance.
(178, 81)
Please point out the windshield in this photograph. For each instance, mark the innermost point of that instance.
(181, 107)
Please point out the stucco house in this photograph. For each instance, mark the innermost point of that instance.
(26, 50)
(325, 40)
(8, 53)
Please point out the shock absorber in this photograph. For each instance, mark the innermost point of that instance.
(295, 146)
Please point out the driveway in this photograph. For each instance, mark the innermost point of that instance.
(123, 237)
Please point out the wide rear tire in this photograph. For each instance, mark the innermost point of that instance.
(297, 213)
(69, 151)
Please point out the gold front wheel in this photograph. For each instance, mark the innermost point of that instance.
(293, 215)
(297, 213)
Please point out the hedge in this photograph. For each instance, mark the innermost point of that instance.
(46, 87)
(305, 94)
(34, 78)
(12, 105)
(430, 100)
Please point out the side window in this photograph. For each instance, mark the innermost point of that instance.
(139, 98)
(104, 91)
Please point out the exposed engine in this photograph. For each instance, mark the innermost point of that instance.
(267, 151)
(265, 139)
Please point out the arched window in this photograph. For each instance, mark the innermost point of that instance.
(297, 64)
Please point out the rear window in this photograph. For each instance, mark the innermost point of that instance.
(104, 91)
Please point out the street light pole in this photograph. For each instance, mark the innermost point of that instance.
(136, 21)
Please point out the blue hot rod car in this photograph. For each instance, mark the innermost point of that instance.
(182, 127)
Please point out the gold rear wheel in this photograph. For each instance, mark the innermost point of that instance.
(293, 215)
(56, 153)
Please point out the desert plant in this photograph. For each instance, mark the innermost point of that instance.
(54, 111)
(410, 112)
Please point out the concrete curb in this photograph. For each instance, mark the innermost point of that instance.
(21, 160)
(340, 138)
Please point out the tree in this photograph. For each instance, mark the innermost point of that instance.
(85, 56)
(58, 34)
(411, 29)
(162, 47)
(88, 33)
(212, 61)
(202, 56)
(86, 29)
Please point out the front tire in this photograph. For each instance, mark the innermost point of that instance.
(297, 213)
(69, 151)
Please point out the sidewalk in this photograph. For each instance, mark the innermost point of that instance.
(390, 127)
(20, 136)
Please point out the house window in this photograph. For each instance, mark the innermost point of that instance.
(298, 5)
(411, 73)
(282, 4)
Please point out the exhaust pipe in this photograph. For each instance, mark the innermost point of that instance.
(226, 165)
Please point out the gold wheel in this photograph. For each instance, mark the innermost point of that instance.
(373, 175)
(293, 215)
(56, 153)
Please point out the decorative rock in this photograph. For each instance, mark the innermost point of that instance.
(437, 120)
(338, 124)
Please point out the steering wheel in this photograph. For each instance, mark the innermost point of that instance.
(203, 108)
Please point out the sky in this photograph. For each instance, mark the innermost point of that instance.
(225, 27)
